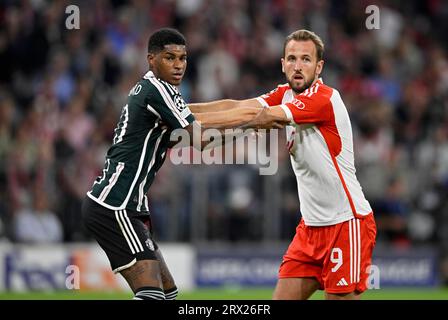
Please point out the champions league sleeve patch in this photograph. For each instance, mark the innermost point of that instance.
(181, 106)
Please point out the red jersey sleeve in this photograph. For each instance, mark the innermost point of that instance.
(274, 97)
(311, 106)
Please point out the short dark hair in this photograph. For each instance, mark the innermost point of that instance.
(304, 35)
(160, 38)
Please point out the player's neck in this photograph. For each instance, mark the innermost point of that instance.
(312, 84)
(315, 80)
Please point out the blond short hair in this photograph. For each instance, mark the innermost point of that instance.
(304, 35)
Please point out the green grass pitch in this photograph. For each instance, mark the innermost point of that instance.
(230, 294)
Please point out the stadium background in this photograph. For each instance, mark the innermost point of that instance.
(61, 92)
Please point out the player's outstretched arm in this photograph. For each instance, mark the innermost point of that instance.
(223, 105)
(221, 120)
(252, 116)
(272, 117)
(232, 118)
(244, 117)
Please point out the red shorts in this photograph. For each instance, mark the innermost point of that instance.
(337, 256)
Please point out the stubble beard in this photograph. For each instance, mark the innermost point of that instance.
(306, 85)
(302, 88)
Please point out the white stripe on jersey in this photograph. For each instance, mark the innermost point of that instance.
(139, 169)
(153, 160)
(91, 196)
(171, 90)
(106, 168)
(306, 92)
(112, 181)
(171, 87)
(146, 201)
(262, 102)
(312, 90)
(168, 101)
(125, 124)
(150, 74)
(287, 112)
(171, 104)
(153, 111)
(140, 194)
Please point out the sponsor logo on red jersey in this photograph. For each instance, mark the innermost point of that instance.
(299, 104)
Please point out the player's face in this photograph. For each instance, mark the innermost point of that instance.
(169, 64)
(300, 64)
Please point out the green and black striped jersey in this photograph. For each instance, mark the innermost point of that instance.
(154, 108)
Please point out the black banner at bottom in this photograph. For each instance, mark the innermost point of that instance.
(213, 309)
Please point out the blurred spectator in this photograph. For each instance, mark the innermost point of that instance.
(6, 129)
(373, 148)
(37, 223)
(432, 156)
(76, 125)
(243, 220)
(218, 71)
(391, 214)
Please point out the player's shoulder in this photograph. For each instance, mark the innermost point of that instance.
(158, 85)
(319, 90)
(137, 94)
(149, 83)
(142, 88)
(279, 90)
(282, 88)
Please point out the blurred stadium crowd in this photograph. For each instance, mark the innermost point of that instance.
(61, 92)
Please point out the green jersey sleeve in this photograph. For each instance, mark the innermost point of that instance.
(167, 103)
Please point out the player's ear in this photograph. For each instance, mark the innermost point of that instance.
(283, 64)
(150, 59)
(319, 67)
